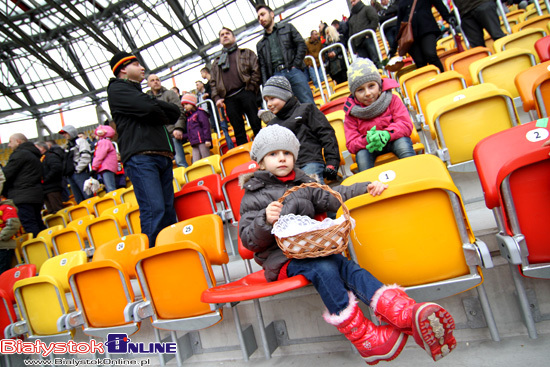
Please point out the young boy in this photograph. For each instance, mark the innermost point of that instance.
(310, 126)
(338, 280)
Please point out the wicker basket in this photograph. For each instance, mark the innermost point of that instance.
(317, 243)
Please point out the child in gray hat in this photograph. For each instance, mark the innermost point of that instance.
(319, 154)
(377, 121)
(341, 283)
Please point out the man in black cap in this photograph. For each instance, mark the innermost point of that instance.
(145, 146)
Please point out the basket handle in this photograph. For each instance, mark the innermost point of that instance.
(319, 186)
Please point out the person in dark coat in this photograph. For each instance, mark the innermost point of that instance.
(23, 182)
(363, 17)
(52, 166)
(425, 30)
(145, 146)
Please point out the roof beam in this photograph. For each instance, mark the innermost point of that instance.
(24, 41)
(85, 25)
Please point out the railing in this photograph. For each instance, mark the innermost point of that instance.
(324, 50)
(317, 75)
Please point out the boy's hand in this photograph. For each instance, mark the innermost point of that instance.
(376, 188)
(273, 212)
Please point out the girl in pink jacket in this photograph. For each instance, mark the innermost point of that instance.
(105, 159)
(377, 121)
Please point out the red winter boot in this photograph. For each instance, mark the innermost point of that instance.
(429, 323)
(374, 343)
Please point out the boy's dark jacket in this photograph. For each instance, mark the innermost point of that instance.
(24, 175)
(140, 120)
(312, 129)
(261, 189)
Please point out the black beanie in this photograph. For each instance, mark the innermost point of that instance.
(120, 60)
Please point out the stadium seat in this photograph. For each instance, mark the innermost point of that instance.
(433, 258)
(334, 105)
(408, 80)
(128, 196)
(132, 220)
(106, 202)
(37, 250)
(458, 121)
(525, 84)
(336, 120)
(245, 167)
(233, 194)
(461, 61)
(119, 213)
(51, 220)
(41, 300)
(170, 265)
(537, 22)
(115, 194)
(234, 157)
(541, 90)
(542, 46)
(77, 211)
(89, 204)
(514, 170)
(509, 62)
(102, 230)
(101, 289)
(179, 175)
(18, 242)
(67, 240)
(80, 225)
(203, 167)
(524, 39)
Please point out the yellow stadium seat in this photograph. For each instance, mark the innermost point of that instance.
(119, 213)
(435, 257)
(539, 21)
(51, 220)
(203, 167)
(67, 240)
(234, 157)
(41, 300)
(102, 230)
(408, 80)
(128, 196)
(508, 63)
(77, 211)
(458, 121)
(106, 202)
(461, 61)
(524, 39)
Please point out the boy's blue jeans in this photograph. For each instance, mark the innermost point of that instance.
(333, 276)
(401, 147)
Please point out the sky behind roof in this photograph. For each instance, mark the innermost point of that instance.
(86, 116)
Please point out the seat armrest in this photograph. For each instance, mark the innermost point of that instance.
(137, 311)
(510, 248)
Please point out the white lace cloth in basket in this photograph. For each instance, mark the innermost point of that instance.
(292, 224)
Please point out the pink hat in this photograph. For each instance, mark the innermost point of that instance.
(189, 98)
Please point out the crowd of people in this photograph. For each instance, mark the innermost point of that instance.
(298, 145)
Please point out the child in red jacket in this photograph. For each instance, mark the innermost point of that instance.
(377, 121)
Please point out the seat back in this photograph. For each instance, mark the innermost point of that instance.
(119, 213)
(541, 91)
(162, 269)
(179, 175)
(41, 299)
(129, 196)
(205, 230)
(80, 225)
(461, 61)
(542, 47)
(509, 62)
(436, 87)
(514, 171)
(537, 22)
(212, 182)
(66, 240)
(245, 167)
(18, 242)
(233, 193)
(524, 39)
(408, 80)
(193, 202)
(203, 167)
(334, 105)
(234, 157)
(115, 194)
(102, 230)
(89, 203)
(132, 220)
(77, 211)
(52, 220)
(103, 204)
(10, 276)
(458, 121)
(394, 246)
(336, 120)
(36, 251)
(525, 83)
(123, 251)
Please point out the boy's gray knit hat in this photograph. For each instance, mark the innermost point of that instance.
(360, 72)
(69, 129)
(277, 86)
(272, 138)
